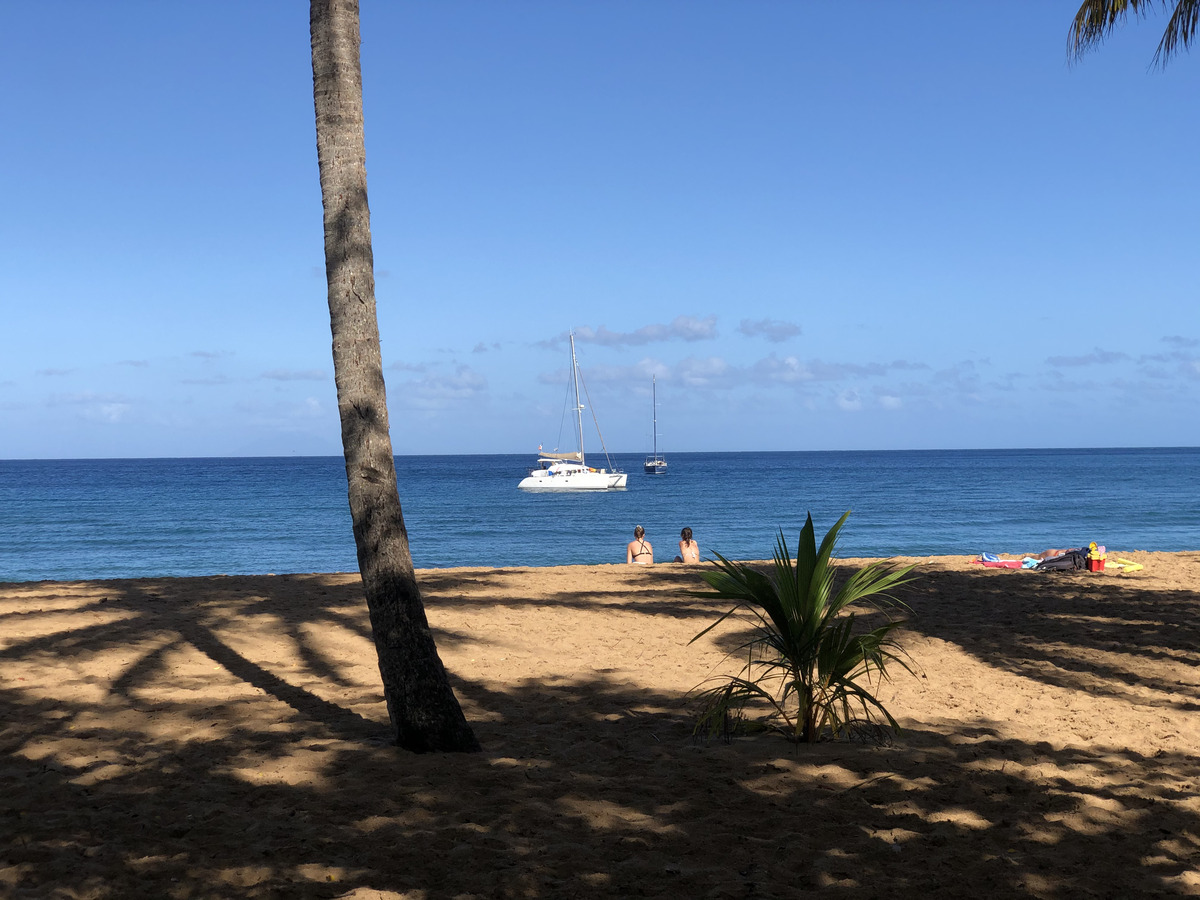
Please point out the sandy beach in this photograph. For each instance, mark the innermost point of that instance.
(226, 737)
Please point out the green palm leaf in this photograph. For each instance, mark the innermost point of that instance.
(807, 660)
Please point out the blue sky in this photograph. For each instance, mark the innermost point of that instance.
(858, 225)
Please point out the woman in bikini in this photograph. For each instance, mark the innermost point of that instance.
(639, 550)
(689, 550)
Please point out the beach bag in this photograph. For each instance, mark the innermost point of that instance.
(1074, 561)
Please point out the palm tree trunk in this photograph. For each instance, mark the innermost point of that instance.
(424, 712)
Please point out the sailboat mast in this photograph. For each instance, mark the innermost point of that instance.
(578, 405)
(654, 410)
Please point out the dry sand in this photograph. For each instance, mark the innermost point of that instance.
(226, 737)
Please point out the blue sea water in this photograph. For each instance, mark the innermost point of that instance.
(77, 519)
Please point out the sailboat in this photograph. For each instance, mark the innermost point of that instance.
(570, 471)
(656, 463)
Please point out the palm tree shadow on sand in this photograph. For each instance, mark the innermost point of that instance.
(177, 759)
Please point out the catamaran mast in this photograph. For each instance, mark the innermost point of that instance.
(578, 405)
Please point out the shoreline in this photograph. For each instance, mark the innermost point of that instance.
(226, 736)
(934, 559)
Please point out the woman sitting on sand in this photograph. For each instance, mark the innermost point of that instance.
(639, 550)
(689, 550)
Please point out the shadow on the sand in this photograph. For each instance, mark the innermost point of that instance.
(587, 787)
(646, 590)
(1104, 635)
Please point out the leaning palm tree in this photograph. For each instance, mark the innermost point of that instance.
(806, 659)
(1097, 18)
(424, 712)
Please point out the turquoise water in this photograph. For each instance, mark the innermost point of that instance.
(74, 519)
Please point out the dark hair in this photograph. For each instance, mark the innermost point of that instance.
(638, 531)
(686, 534)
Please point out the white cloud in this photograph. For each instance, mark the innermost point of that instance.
(681, 328)
(1097, 357)
(771, 329)
(405, 367)
(82, 398)
(295, 375)
(1180, 341)
(108, 412)
(439, 391)
(849, 401)
(704, 372)
(788, 370)
(94, 406)
(638, 373)
(215, 380)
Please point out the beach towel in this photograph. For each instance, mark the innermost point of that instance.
(999, 563)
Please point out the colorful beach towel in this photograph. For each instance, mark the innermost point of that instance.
(999, 563)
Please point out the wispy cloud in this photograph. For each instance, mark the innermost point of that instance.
(712, 371)
(135, 363)
(772, 329)
(95, 406)
(213, 381)
(437, 391)
(81, 398)
(637, 373)
(681, 328)
(211, 354)
(54, 373)
(295, 375)
(849, 400)
(405, 367)
(1179, 341)
(785, 370)
(962, 378)
(790, 370)
(481, 347)
(1097, 357)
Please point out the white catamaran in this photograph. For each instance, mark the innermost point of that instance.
(570, 471)
(656, 463)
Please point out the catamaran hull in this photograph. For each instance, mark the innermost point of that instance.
(575, 481)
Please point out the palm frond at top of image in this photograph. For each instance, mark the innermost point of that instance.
(1096, 19)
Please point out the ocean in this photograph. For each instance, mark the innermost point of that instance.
(125, 518)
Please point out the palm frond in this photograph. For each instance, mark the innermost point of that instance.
(807, 658)
(1181, 30)
(1096, 19)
